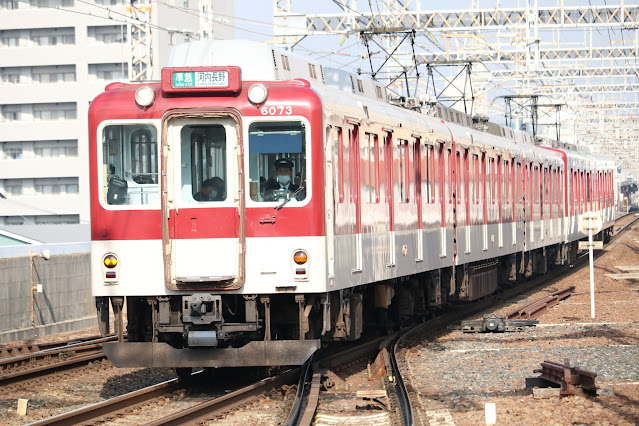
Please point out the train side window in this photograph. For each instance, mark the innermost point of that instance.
(387, 157)
(403, 171)
(274, 147)
(372, 160)
(130, 164)
(483, 181)
(376, 163)
(458, 177)
(365, 155)
(339, 152)
(557, 185)
(535, 184)
(427, 174)
(577, 194)
(503, 172)
(476, 179)
(450, 177)
(493, 181)
(560, 186)
(588, 190)
(417, 172)
(528, 184)
(518, 182)
(544, 186)
(354, 172)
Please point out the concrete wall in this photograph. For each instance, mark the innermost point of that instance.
(65, 303)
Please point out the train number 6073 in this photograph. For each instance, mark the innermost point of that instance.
(277, 110)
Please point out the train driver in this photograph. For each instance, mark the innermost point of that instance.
(283, 183)
(212, 190)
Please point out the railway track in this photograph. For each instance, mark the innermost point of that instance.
(26, 361)
(404, 406)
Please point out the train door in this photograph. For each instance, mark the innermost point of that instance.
(331, 196)
(417, 199)
(388, 165)
(203, 212)
(484, 197)
(460, 211)
(500, 201)
(355, 192)
(442, 198)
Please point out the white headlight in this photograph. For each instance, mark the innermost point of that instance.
(257, 93)
(144, 96)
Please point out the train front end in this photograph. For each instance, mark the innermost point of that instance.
(207, 219)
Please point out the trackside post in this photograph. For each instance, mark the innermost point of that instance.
(590, 222)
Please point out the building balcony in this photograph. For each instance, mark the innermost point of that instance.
(65, 54)
(51, 92)
(43, 205)
(51, 18)
(42, 167)
(43, 130)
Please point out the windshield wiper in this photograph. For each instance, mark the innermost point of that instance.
(297, 191)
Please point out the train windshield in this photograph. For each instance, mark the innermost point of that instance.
(277, 161)
(130, 164)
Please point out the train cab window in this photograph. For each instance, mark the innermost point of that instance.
(130, 164)
(277, 161)
(203, 150)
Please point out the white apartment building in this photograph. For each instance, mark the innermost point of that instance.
(55, 57)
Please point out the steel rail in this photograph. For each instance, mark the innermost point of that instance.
(50, 348)
(23, 374)
(11, 350)
(403, 397)
(313, 377)
(25, 365)
(111, 406)
(538, 307)
(294, 415)
(207, 410)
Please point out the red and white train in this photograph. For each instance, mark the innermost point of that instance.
(394, 212)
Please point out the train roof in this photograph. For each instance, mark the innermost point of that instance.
(261, 62)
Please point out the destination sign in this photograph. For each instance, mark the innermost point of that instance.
(200, 79)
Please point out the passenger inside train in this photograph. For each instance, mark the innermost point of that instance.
(212, 190)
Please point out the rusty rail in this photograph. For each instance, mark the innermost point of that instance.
(566, 376)
(40, 362)
(538, 307)
(12, 350)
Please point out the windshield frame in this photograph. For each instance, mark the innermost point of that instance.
(174, 127)
(98, 185)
